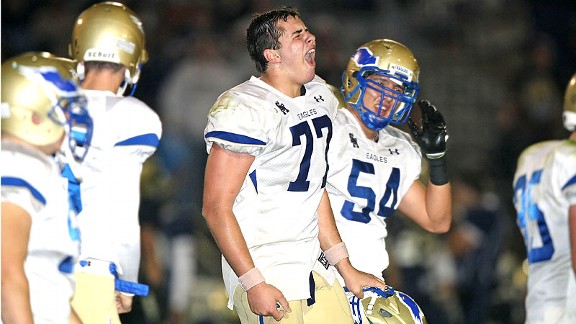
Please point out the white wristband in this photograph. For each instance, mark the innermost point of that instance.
(336, 253)
(250, 279)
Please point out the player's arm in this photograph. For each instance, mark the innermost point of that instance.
(136, 142)
(123, 188)
(224, 175)
(430, 207)
(16, 224)
(572, 226)
(337, 255)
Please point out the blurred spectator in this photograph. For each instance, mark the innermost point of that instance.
(475, 241)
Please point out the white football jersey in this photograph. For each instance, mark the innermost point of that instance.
(366, 182)
(126, 132)
(544, 188)
(32, 180)
(277, 204)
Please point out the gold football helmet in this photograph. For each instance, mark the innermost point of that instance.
(40, 101)
(570, 105)
(390, 59)
(110, 32)
(385, 307)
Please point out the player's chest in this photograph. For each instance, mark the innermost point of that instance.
(302, 124)
(350, 145)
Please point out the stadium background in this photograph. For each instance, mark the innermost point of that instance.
(496, 69)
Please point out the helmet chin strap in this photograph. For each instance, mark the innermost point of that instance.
(127, 79)
(130, 81)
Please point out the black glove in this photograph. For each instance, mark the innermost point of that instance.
(432, 136)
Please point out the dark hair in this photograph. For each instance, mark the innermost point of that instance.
(100, 65)
(263, 33)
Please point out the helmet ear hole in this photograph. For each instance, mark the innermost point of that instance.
(384, 313)
(36, 118)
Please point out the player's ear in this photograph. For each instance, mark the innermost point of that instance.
(272, 56)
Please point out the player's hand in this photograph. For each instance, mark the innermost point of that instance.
(123, 303)
(267, 300)
(432, 136)
(356, 281)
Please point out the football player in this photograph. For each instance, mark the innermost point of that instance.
(374, 167)
(41, 106)
(545, 202)
(264, 193)
(108, 45)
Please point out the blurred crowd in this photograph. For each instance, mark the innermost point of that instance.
(497, 70)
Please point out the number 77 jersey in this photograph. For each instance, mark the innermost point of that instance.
(278, 202)
(544, 188)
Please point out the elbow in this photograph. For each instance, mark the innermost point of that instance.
(206, 212)
(440, 228)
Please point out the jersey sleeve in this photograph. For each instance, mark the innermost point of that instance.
(234, 124)
(19, 185)
(138, 129)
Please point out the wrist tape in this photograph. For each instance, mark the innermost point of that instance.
(336, 253)
(251, 279)
(438, 171)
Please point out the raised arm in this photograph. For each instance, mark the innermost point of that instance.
(430, 206)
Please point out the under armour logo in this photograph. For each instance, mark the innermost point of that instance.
(323, 261)
(318, 99)
(353, 140)
(282, 108)
(394, 151)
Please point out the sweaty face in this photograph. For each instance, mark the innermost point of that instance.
(298, 50)
(381, 94)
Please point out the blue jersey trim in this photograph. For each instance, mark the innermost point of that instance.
(235, 138)
(570, 182)
(254, 181)
(145, 139)
(18, 182)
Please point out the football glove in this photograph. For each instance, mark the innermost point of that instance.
(432, 136)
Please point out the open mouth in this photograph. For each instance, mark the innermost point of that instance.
(310, 57)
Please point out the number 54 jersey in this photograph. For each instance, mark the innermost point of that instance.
(278, 202)
(544, 189)
(367, 179)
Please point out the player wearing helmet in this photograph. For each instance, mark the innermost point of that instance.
(264, 193)
(108, 44)
(545, 202)
(374, 167)
(40, 107)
